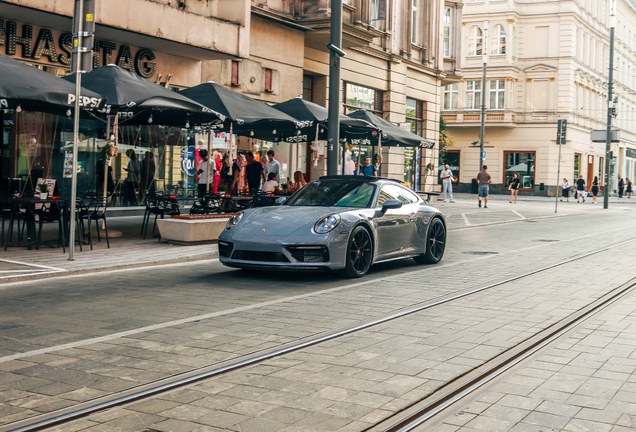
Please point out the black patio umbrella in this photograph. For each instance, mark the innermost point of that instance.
(32, 89)
(316, 119)
(244, 115)
(391, 134)
(138, 100)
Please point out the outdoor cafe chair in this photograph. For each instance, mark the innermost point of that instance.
(52, 213)
(18, 212)
(7, 208)
(95, 211)
(152, 208)
(208, 203)
(167, 205)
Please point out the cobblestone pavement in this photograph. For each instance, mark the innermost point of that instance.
(90, 335)
(585, 383)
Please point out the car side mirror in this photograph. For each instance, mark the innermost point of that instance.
(280, 200)
(391, 204)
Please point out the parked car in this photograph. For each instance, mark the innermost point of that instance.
(344, 223)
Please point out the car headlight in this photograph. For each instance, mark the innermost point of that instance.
(234, 220)
(326, 224)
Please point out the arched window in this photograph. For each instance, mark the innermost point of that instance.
(475, 40)
(498, 41)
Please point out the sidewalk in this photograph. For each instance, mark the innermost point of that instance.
(129, 250)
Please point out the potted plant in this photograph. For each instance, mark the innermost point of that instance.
(44, 190)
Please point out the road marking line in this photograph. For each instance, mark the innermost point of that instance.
(18, 271)
(105, 272)
(518, 214)
(375, 281)
(465, 219)
(33, 265)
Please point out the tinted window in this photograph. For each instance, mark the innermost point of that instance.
(393, 191)
(339, 193)
(410, 195)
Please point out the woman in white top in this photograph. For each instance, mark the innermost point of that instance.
(566, 190)
(271, 185)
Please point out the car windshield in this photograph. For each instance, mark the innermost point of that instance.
(334, 193)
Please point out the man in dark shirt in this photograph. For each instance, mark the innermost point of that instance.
(254, 172)
(367, 169)
(483, 181)
(580, 189)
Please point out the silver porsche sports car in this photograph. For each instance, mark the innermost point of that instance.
(342, 223)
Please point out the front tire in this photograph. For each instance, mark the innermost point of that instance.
(359, 253)
(435, 243)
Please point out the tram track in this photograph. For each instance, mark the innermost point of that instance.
(84, 409)
(428, 409)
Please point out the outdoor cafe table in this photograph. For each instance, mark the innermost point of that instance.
(29, 205)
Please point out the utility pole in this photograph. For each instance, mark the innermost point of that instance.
(610, 105)
(482, 131)
(335, 52)
(83, 34)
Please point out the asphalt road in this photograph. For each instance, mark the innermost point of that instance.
(72, 339)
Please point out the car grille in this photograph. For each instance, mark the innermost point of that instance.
(309, 254)
(225, 249)
(259, 256)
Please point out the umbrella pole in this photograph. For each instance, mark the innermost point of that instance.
(106, 165)
(207, 180)
(380, 155)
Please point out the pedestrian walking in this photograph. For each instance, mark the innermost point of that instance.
(447, 183)
(483, 181)
(621, 187)
(580, 189)
(272, 165)
(255, 173)
(594, 189)
(205, 171)
(514, 188)
(629, 188)
(565, 186)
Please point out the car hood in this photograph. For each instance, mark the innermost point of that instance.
(282, 221)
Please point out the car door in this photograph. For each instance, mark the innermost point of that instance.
(412, 241)
(393, 228)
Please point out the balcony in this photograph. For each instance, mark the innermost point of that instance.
(356, 28)
(470, 118)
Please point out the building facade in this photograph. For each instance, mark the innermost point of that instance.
(546, 61)
(399, 55)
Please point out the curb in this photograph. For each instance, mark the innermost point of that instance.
(57, 274)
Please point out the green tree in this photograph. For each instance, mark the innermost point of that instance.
(446, 141)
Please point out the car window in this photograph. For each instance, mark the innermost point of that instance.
(388, 192)
(358, 197)
(334, 192)
(409, 195)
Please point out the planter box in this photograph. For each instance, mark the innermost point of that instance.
(192, 230)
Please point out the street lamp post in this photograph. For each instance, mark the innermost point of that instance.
(610, 105)
(335, 52)
(482, 130)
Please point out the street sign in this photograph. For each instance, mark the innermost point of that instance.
(601, 135)
(483, 155)
(562, 127)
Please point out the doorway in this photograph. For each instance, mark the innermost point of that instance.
(590, 171)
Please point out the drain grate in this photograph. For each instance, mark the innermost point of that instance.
(480, 253)
(546, 240)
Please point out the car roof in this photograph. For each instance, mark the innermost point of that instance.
(368, 179)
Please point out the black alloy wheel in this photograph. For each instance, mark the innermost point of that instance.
(359, 253)
(435, 243)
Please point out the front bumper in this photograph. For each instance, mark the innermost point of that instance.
(324, 252)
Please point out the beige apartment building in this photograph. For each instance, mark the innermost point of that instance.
(400, 54)
(546, 61)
